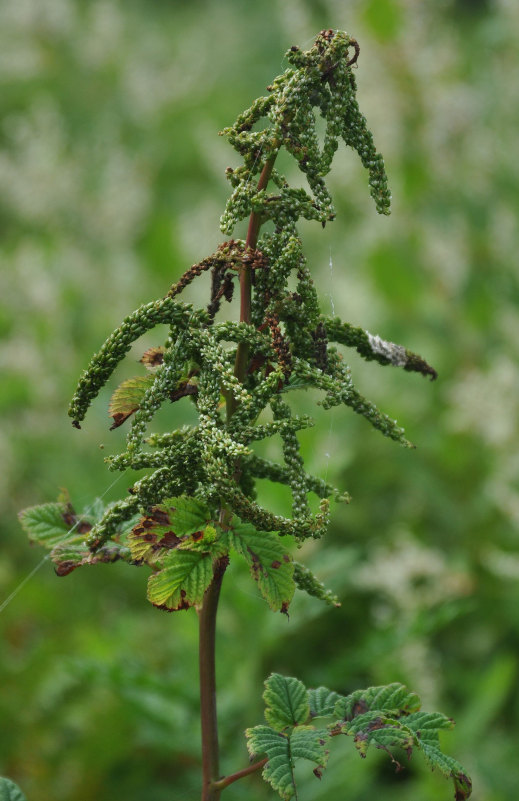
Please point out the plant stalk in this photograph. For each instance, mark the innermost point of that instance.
(207, 673)
(211, 788)
(242, 351)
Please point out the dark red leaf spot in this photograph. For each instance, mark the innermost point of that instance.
(318, 772)
(119, 418)
(152, 357)
(64, 568)
(170, 540)
(159, 516)
(275, 564)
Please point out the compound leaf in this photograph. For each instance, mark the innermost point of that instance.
(48, 524)
(322, 702)
(286, 702)
(9, 791)
(73, 553)
(282, 749)
(392, 699)
(190, 515)
(390, 717)
(450, 768)
(270, 563)
(153, 534)
(182, 581)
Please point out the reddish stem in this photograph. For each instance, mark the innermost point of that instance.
(233, 777)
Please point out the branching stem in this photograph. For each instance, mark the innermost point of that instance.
(233, 777)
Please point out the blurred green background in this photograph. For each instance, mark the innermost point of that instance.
(111, 185)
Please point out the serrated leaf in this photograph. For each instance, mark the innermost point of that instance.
(286, 701)
(153, 535)
(9, 791)
(283, 749)
(50, 523)
(128, 397)
(450, 768)
(422, 722)
(208, 540)
(322, 702)
(191, 515)
(389, 717)
(73, 553)
(392, 699)
(270, 563)
(182, 582)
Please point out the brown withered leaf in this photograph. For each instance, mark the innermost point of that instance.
(152, 358)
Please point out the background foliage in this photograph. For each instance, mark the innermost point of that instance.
(111, 185)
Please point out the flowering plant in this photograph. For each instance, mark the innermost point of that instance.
(197, 506)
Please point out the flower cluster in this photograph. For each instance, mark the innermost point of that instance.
(287, 341)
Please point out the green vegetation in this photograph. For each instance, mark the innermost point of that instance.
(423, 561)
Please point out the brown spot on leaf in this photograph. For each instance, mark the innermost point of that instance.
(170, 540)
(359, 707)
(66, 567)
(318, 772)
(84, 527)
(119, 418)
(183, 390)
(275, 564)
(286, 557)
(197, 536)
(152, 357)
(159, 516)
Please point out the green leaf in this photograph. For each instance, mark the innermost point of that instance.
(390, 717)
(283, 749)
(182, 582)
(270, 563)
(286, 702)
(190, 515)
(50, 523)
(450, 768)
(422, 722)
(322, 702)
(128, 397)
(392, 699)
(9, 791)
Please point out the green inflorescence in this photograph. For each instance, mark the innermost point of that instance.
(286, 341)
